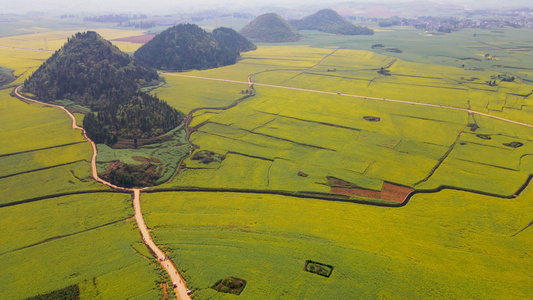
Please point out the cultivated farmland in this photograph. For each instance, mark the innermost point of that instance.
(266, 240)
(276, 171)
(60, 227)
(302, 138)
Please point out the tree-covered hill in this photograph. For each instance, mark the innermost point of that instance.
(187, 46)
(90, 71)
(138, 116)
(93, 73)
(328, 20)
(270, 28)
(230, 39)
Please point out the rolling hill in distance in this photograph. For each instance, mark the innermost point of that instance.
(328, 20)
(270, 28)
(187, 47)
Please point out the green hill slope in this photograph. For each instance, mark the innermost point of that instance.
(328, 20)
(93, 73)
(90, 71)
(187, 46)
(230, 39)
(270, 28)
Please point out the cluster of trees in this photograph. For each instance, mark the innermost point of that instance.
(139, 116)
(141, 24)
(130, 176)
(93, 73)
(113, 18)
(394, 21)
(270, 28)
(328, 20)
(187, 47)
(233, 42)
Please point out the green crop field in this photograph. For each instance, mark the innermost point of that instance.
(418, 146)
(465, 233)
(48, 244)
(98, 255)
(427, 249)
(40, 147)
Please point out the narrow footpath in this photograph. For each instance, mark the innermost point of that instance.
(164, 261)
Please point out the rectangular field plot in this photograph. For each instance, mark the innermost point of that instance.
(23, 63)
(364, 60)
(25, 127)
(53, 40)
(428, 150)
(427, 130)
(309, 133)
(486, 155)
(202, 117)
(288, 53)
(477, 177)
(63, 179)
(309, 177)
(235, 171)
(46, 158)
(186, 94)
(80, 258)
(28, 224)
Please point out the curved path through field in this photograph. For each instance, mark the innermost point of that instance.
(166, 263)
(250, 84)
(181, 289)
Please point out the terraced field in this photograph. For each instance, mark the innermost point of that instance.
(60, 227)
(465, 231)
(51, 239)
(292, 133)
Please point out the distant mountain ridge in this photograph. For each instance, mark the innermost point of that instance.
(270, 28)
(328, 20)
(187, 47)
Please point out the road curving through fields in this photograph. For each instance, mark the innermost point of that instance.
(250, 83)
(164, 261)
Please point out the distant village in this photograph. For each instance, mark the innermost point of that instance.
(482, 19)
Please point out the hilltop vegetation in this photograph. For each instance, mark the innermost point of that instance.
(230, 39)
(270, 28)
(187, 46)
(93, 73)
(139, 116)
(328, 20)
(89, 71)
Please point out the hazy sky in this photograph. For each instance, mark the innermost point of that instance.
(138, 5)
(173, 6)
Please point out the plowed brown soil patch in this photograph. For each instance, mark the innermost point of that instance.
(389, 191)
(138, 39)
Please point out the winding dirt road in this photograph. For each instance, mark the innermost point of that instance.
(166, 263)
(250, 83)
(181, 289)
